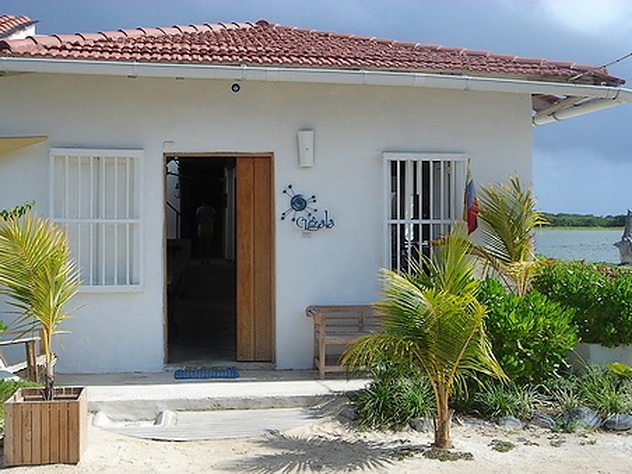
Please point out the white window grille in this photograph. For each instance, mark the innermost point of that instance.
(95, 195)
(424, 197)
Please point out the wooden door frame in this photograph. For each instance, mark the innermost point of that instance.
(165, 157)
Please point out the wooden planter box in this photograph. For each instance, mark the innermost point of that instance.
(45, 432)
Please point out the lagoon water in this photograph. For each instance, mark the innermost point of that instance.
(590, 244)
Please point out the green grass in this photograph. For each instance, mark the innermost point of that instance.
(390, 403)
(495, 399)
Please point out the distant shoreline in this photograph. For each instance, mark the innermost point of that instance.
(586, 227)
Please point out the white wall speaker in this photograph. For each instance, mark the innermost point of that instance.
(306, 148)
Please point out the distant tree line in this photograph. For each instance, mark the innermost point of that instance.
(584, 220)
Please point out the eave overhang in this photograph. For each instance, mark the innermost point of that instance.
(551, 101)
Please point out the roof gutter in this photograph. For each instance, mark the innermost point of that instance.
(585, 107)
(600, 97)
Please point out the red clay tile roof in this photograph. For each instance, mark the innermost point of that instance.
(9, 24)
(265, 44)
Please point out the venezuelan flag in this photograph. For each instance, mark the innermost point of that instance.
(471, 202)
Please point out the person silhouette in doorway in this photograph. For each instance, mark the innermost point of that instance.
(205, 219)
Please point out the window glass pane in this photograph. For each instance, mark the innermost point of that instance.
(134, 258)
(59, 179)
(424, 199)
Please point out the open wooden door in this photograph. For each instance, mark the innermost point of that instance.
(255, 257)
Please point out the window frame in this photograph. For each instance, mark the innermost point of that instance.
(457, 195)
(136, 155)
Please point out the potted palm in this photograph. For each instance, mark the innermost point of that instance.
(38, 278)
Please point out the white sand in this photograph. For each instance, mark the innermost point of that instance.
(328, 445)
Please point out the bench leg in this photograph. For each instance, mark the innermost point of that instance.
(321, 356)
(31, 361)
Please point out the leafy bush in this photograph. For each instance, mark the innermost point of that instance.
(391, 402)
(530, 335)
(601, 296)
(497, 399)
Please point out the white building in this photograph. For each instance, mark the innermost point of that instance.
(130, 120)
(16, 27)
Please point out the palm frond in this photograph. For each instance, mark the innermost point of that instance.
(38, 277)
(508, 218)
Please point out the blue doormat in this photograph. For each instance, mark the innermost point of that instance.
(212, 373)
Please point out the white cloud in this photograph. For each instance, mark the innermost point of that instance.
(579, 181)
(592, 17)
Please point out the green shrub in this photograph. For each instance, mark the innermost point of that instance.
(390, 402)
(601, 296)
(530, 335)
(496, 399)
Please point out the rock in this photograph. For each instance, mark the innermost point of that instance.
(349, 412)
(542, 420)
(510, 422)
(619, 422)
(422, 425)
(101, 420)
(582, 417)
(501, 446)
(471, 421)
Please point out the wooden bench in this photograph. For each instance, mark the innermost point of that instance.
(338, 326)
(32, 362)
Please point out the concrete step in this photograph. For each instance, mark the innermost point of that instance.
(144, 396)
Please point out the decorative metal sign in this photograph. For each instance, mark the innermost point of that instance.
(303, 214)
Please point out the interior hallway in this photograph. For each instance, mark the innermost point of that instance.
(202, 315)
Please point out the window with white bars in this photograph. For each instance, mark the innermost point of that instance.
(424, 198)
(95, 195)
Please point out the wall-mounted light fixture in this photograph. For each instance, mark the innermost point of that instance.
(305, 148)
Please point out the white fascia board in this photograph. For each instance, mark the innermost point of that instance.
(321, 76)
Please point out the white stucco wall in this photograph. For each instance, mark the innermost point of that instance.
(353, 125)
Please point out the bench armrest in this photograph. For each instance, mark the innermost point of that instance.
(22, 340)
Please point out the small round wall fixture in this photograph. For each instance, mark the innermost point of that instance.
(235, 87)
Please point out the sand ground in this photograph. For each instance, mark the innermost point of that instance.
(331, 445)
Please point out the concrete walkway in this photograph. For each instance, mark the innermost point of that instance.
(143, 396)
(214, 424)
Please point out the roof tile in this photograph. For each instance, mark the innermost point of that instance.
(271, 44)
(9, 24)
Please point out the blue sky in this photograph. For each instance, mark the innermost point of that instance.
(582, 165)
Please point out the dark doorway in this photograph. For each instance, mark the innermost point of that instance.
(201, 282)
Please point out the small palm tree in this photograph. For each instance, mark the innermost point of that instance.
(38, 277)
(508, 218)
(433, 323)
